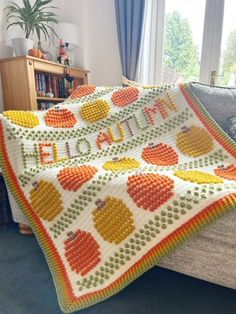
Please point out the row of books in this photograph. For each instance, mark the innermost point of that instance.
(54, 86)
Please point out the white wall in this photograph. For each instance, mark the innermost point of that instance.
(98, 51)
(102, 51)
(5, 51)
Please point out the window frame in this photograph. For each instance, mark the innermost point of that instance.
(151, 55)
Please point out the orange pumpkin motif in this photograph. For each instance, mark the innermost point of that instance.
(160, 155)
(125, 96)
(37, 53)
(150, 191)
(228, 172)
(82, 251)
(60, 118)
(83, 90)
(72, 178)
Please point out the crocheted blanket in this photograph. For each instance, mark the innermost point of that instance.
(113, 179)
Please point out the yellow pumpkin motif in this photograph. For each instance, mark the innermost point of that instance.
(95, 111)
(197, 176)
(26, 119)
(125, 163)
(46, 200)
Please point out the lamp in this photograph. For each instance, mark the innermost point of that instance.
(69, 33)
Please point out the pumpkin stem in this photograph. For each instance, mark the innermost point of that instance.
(35, 184)
(100, 204)
(71, 235)
(151, 144)
(185, 129)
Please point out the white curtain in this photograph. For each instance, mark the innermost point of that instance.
(150, 62)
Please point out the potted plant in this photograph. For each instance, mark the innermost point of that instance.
(31, 18)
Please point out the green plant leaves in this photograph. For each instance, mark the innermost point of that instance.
(32, 18)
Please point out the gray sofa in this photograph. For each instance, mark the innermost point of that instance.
(211, 255)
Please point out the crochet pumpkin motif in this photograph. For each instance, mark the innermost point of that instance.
(23, 118)
(150, 191)
(60, 118)
(46, 200)
(197, 176)
(95, 111)
(72, 178)
(81, 251)
(194, 141)
(160, 155)
(83, 90)
(113, 219)
(125, 96)
(228, 172)
(119, 164)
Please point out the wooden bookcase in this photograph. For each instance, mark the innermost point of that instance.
(18, 80)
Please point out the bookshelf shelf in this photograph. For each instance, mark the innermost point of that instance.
(19, 81)
(56, 99)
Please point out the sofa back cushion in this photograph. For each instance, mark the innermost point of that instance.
(232, 127)
(220, 102)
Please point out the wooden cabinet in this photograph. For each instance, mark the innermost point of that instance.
(18, 80)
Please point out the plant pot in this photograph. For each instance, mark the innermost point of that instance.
(21, 46)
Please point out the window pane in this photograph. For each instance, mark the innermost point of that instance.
(228, 46)
(184, 21)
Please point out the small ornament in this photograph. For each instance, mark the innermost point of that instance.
(62, 58)
(51, 95)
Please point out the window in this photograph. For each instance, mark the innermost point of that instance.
(183, 32)
(182, 42)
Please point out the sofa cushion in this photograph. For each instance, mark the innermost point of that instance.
(220, 102)
(232, 126)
